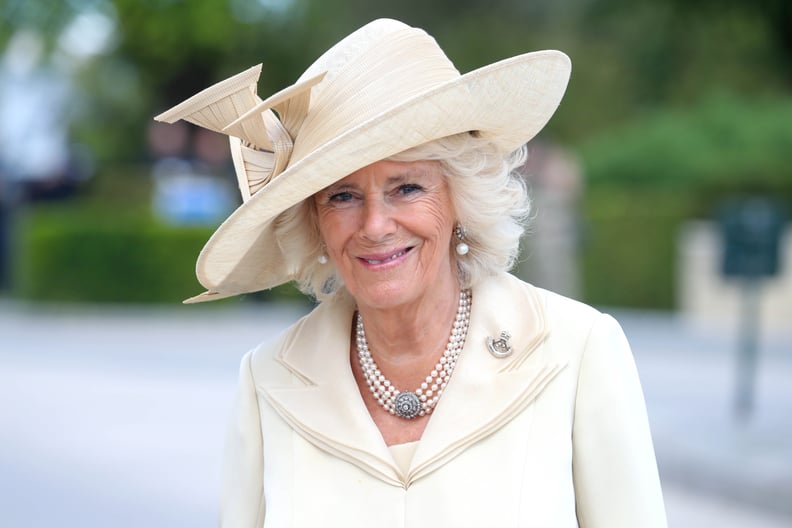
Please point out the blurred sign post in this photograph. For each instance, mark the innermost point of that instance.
(751, 232)
(6, 205)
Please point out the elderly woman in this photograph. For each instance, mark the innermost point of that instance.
(429, 387)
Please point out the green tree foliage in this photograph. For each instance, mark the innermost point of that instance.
(628, 56)
(723, 142)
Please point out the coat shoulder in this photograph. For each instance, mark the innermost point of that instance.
(570, 325)
(558, 310)
(565, 310)
(266, 359)
(298, 354)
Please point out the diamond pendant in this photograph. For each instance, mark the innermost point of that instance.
(407, 404)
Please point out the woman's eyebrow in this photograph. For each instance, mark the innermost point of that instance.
(338, 187)
(400, 178)
(411, 174)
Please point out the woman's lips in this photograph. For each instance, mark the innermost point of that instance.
(376, 260)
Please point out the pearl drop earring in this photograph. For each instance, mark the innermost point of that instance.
(322, 259)
(461, 248)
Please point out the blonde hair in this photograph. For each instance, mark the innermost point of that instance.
(487, 191)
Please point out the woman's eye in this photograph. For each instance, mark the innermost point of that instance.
(409, 188)
(340, 197)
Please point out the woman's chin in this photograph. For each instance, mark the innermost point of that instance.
(390, 294)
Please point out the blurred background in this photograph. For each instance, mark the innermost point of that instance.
(662, 191)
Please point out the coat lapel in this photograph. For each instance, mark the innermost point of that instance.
(321, 401)
(486, 392)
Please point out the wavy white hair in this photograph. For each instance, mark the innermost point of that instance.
(487, 191)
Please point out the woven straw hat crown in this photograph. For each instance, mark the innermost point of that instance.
(383, 89)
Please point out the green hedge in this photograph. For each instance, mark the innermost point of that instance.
(629, 252)
(76, 255)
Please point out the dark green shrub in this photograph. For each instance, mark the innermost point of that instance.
(78, 255)
(723, 143)
(629, 252)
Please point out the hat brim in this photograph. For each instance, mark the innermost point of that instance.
(509, 101)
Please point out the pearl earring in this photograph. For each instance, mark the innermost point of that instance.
(461, 247)
(322, 258)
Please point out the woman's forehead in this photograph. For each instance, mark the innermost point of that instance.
(388, 171)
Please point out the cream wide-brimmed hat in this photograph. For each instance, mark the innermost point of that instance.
(382, 90)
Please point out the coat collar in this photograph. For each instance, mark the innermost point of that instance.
(323, 404)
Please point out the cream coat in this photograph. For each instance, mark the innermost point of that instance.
(555, 435)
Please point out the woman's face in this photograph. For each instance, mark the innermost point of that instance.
(387, 228)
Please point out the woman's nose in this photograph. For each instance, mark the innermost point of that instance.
(377, 222)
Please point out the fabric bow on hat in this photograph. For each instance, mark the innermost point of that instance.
(261, 143)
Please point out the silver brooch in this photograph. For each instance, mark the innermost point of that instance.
(500, 347)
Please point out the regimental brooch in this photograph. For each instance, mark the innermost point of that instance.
(500, 347)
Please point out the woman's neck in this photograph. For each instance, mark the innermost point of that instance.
(402, 334)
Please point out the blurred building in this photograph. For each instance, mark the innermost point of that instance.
(551, 252)
(707, 297)
(34, 99)
(191, 173)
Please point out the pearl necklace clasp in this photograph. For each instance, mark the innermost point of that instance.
(421, 401)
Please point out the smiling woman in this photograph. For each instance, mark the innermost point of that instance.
(483, 190)
(428, 387)
(387, 229)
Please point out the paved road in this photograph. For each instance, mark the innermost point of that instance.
(115, 417)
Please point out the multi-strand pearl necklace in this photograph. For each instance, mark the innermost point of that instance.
(422, 400)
